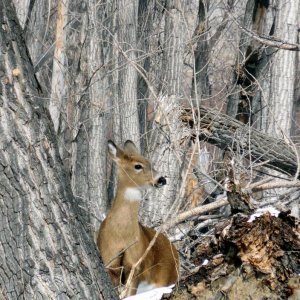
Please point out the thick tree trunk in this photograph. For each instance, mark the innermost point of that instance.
(45, 252)
(167, 134)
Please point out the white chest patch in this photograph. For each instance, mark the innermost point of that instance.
(133, 194)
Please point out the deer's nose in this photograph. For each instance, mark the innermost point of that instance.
(161, 181)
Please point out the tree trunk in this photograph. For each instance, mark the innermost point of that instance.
(39, 32)
(45, 253)
(280, 103)
(125, 104)
(165, 139)
(91, 97)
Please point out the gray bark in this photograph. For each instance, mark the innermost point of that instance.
(244, 44)
(94, 114)
(45, 251)
(22, 10)
(166, 136)
(283, 70)
(39, 32)
(121, 69)
(125, 101)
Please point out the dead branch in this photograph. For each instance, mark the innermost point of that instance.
(272, 185)
(270, 41)
(267, 40)
(194, 212)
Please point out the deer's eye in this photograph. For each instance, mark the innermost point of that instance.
(138, 167)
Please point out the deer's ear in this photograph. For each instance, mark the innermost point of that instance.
(130, 147)
(114, 151)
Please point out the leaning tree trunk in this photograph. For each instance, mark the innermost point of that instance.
(45, 251)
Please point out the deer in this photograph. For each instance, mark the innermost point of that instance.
(122, 239)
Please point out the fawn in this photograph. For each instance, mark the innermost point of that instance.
(122, 240)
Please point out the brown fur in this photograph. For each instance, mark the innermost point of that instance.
(122, 240)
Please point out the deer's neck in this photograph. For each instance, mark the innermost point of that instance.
(126, 205)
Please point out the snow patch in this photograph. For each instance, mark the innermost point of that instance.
(260, 211)
(144, 286)
(155, 294)
(205, 262)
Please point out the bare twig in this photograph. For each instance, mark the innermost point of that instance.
(120, 253)
(134, 267)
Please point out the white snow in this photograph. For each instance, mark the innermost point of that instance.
(144, 286)
(205, 262)
(260, 211)
(154, 294)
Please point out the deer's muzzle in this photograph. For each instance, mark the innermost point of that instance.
(160, 182)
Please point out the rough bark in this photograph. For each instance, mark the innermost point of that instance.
(165, 139)
(125, 101)
(235, 103)
(45, 252)
(39, 32)
(87, 111)
(94, 109)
